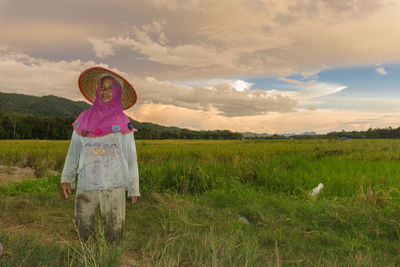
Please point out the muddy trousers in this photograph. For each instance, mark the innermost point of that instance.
(112, 210)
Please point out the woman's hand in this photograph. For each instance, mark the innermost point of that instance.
(64, 188)
(134, 198)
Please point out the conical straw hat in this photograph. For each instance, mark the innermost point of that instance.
(89, 79)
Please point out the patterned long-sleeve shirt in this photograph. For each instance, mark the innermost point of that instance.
(104, 162)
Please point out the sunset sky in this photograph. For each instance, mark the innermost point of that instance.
(264, 66)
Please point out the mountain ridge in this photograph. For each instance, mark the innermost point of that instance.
(49, 105)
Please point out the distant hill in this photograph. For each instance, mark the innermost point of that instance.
(42, 106)
(54, 106)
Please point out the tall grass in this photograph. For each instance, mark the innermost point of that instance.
(37, 154)
(29, 250)
(289, 167)
(95, 252)
(47, 185)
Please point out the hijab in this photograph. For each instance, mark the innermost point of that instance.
(104, 118)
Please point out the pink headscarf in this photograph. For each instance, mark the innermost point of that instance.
(104, 118)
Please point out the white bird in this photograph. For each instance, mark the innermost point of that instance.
(314, 193)
(244, 220)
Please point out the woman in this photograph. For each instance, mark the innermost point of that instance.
(102, 146)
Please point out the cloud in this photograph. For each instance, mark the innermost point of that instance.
(202, 39)
(190, 55)
(223, 97)
(308, 74)
(387, 104)
(319, 89)
(337, 9)
(336, 35)
(106, 47)
(176, 4)
(285, 18)
(233, 98)
(381, 71)
(101, 48)
(310, 107)
(308, 93)
(230, 98)
(219, 48)
(21, 73)
(239, 85)
(219, 106)
(320, 120)
(296, 81)
(36, 34)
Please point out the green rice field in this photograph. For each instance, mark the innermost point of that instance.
(195, 191)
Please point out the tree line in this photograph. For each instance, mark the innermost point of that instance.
(21, 126)
(387, 132)
(372, 133)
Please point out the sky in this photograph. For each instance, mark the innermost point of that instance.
(262, 66)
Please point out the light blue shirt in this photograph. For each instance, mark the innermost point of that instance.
(105, 162)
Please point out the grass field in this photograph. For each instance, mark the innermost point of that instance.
(193, 193)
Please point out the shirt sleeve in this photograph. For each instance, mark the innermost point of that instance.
(72, 160)
(130, 154)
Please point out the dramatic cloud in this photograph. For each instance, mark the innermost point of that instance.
(198, 39)
(151, 41)
(42, 77)
(223, 97)
(263, 41)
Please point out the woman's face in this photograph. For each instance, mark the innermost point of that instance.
(105, 91)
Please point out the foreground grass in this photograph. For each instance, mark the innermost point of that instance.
(193, 193)
(167, 229)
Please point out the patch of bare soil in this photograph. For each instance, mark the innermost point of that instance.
(12, 173)
(128, 259)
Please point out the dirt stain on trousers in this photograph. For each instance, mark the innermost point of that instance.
(112, 210)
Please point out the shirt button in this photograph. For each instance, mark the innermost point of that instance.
(116, 128)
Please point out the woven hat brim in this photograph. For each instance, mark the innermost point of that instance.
(88, 81)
